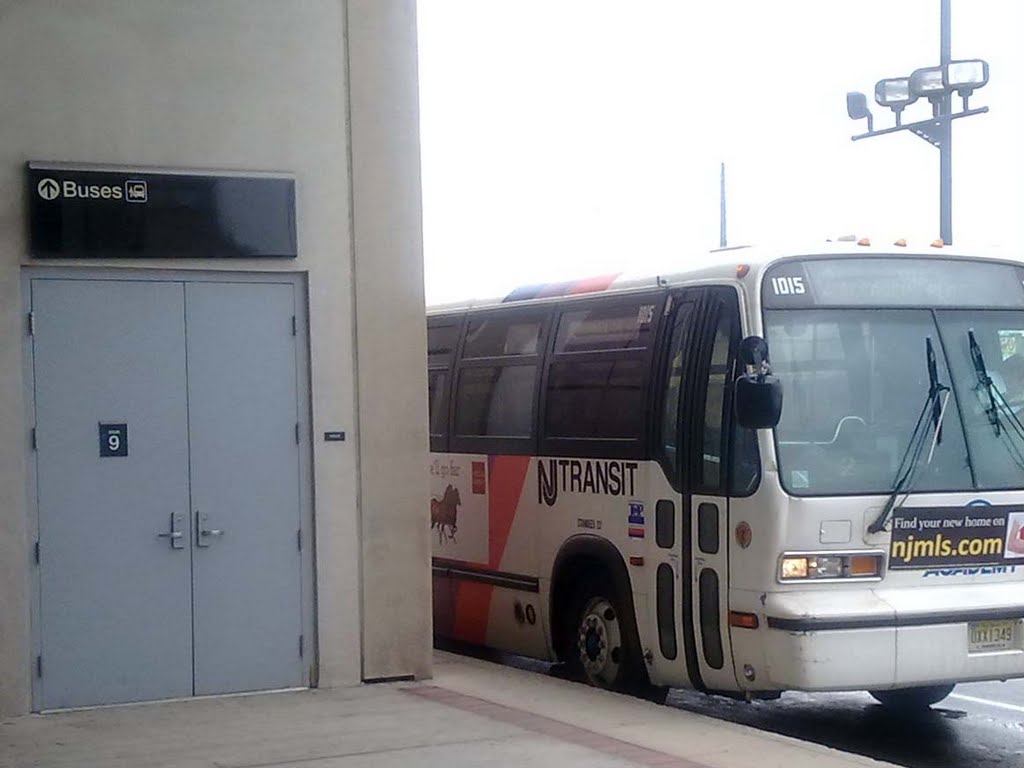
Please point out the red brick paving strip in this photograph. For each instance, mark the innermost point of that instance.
(553, 728)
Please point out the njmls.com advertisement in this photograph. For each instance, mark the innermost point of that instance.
(926, 537)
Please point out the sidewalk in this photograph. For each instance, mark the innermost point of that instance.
(472, 713)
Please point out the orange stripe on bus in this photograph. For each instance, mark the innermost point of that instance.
(507, 477)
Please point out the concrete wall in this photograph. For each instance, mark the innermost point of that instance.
(260, 85)
(389, 262)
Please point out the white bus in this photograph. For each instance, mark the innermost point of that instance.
(619, 482)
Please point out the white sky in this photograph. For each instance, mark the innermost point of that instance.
(567, 138)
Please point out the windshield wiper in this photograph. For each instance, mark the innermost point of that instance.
(906, 474)
(985, 382)
(934, 390)
(998, 408)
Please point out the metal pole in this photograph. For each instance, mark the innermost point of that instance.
(946, 136)
(721, 202)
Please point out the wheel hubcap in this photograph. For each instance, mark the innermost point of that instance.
(600, 642)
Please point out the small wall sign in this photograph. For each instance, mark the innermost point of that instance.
(113, 440)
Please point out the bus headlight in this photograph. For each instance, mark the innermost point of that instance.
(833, 565)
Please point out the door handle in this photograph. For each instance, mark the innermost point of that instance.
(203, 533)
(173, 534)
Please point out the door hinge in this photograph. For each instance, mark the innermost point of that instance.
(295, 326)
(39, 666)
(296, 433)
(32, 436)
(302, 645)
(35, 552)
(31, 323)
(298, 537)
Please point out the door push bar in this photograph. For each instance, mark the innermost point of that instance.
(174, 534)
(203, 532)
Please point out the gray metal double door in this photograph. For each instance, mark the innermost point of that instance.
(168, 489)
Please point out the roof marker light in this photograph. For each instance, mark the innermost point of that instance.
(937, 243)
(864, 241)
(742, 270)
(902, 242)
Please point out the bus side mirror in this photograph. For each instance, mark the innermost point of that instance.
(758, 401)
(758, 393)
(753, 351)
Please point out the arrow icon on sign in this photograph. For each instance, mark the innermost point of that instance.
(48, 189)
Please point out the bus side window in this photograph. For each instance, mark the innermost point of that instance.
(669, 427)
(437, 381)
(720, 431)
(495, 386)
(596, 383)
(442, 338)
(745, 471)
(495, 401)
(715, 416)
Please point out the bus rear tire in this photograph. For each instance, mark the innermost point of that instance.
(910, 699)
(603, 648)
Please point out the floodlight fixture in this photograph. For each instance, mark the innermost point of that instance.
(965, 76)
(894, 92)
(857, 108)
(937, 84)
(928, 82)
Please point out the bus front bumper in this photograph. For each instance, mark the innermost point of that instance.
(887, 638)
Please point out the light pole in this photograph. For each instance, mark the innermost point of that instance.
(936, 84)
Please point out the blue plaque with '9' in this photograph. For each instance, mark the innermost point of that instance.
(113, 440)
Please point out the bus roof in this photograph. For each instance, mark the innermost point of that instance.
(716, 266)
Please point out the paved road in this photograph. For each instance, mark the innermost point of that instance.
(981, 725)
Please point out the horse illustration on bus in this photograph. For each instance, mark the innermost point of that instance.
(444, 514)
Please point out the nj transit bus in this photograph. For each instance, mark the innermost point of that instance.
(786, 472)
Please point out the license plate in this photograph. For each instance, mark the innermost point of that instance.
(983, 636)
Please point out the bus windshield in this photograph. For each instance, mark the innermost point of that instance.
(856, 379)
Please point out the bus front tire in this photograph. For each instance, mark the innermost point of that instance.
(910, 699)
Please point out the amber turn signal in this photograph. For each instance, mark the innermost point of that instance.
(743, 620)
(865, 565)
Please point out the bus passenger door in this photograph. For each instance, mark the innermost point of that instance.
(707, 426)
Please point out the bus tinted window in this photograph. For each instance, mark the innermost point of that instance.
(436, 381)
(500, 336)
(673, 391)
(495, 401)
(599, 399)
(601, 328)
(714, 408)
(441, 341)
